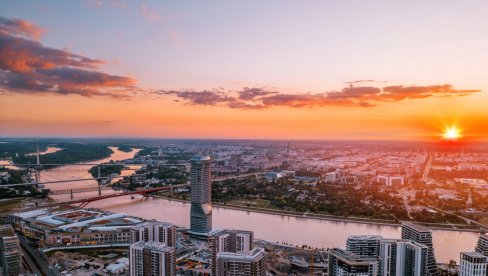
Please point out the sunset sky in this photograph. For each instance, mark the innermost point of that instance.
(244, 69)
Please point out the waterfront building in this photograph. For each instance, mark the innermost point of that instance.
(473, 264)
(252, 263)
(423, 236)
(152, 259)
(75, 226)
(343, 263)
(402, 257)
(365, 245)
(10, 253)
(482, 246)
(155, 231)
(231, 241)
(201, 198)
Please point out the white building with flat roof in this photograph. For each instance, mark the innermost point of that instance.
(473, 264)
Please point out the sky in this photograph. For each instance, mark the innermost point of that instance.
(355, 70)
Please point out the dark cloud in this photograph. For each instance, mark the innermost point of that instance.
(204, 97)
(248, 93)
(261, 98)
(355, 93)
(27, 66)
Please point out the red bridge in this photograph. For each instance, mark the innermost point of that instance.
(85, 201)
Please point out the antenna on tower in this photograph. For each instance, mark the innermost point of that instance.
(37, 152)
(38, 167)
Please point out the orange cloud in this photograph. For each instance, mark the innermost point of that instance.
(27, 66)
(20, 27)
(260, 98)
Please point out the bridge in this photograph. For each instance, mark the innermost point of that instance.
(218, 179)
(79, 190)
(69, 180)
(85, 201)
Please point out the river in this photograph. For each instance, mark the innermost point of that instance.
(275, 228)
(81, 172)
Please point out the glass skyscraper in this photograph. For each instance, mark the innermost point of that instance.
(201, 196)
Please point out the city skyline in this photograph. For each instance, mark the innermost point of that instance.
(355, 71)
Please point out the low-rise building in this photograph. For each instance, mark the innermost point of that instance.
(391, 180)
(75, 227)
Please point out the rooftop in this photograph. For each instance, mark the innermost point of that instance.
(201, 158)
(416, 227)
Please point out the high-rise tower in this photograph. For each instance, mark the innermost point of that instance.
(482, 246)
(152, 259)
(422, 235)
(201, 196)
(10, 254)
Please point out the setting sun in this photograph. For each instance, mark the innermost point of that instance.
(452, 133)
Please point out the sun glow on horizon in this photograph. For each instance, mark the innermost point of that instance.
(452, 133)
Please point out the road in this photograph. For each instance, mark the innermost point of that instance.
(405, 203)
(468, 220)
(34, 260)
(219, 179)
(427, 168)
(30, 263)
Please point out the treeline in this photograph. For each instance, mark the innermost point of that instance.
(70, 153)
(19, 191)
(106, 170)
(338, 200)
(15, 176)
(20, 148)
(125, 148)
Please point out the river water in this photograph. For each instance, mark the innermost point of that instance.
(271, 227)
(81, 172)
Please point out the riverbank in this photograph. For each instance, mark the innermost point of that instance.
(449, 227)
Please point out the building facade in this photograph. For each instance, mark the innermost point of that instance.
(10, 253)
(402, 257)
(367, 245)
(155, 231)
(473, 264)
(482, 246)
(252, 263)
(343, 263)
(201, 196)
(423, 236)
(152, 259)
(391, 180)
(231, 241)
